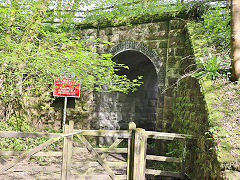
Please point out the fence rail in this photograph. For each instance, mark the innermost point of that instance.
(136, 152)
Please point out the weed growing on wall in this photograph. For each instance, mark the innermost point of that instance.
(211, 43)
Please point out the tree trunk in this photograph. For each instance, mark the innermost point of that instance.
(235, 26)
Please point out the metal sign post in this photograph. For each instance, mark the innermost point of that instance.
(64, 113)
(66, 87)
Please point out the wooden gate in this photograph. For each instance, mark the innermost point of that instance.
(135, 151)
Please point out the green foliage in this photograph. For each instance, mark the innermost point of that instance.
(33, 53)
(20, 144)
(116, 11)
(211, 67)
(212, 36)
(19, 123)
(121, 10)
(216, 24)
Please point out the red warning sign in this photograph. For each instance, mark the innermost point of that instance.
(66, 87)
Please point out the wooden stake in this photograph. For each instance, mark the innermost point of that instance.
(130, 159)
(69, 150)
(140, 147)
(65, 155)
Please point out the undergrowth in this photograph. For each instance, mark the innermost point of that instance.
(21, 144)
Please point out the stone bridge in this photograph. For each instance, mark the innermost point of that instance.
(160, 51)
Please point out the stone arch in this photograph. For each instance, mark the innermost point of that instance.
(149, 98)
(147, 51)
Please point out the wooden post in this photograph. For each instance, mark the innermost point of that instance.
(130, 160)
(65, 155)
(140, 154)
(69, 150)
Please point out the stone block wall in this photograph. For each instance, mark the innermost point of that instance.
(166, 40)
(190, 116)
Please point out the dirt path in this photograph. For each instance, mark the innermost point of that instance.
(49, 168)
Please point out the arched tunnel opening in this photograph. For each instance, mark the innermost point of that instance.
(139, 106)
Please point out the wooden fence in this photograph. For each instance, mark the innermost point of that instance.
(136, 152)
